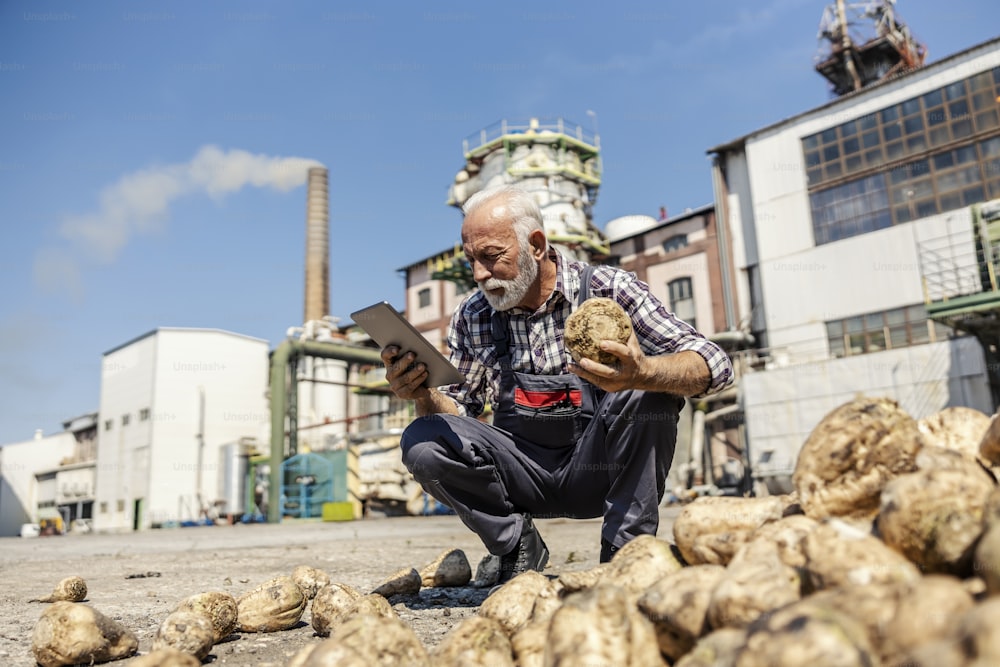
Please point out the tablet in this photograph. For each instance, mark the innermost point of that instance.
(388, 327)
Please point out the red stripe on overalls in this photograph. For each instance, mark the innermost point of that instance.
(545, 399)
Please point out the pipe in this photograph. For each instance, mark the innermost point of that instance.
(201, 453)
(722, 412)
(726, 394)
(345, 420)
(733, 337)
(722, 240)
(284, 383)
(847, 46)
(698, 442)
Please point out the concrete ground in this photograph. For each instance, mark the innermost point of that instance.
(138, 578)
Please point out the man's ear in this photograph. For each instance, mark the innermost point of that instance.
(538, 243)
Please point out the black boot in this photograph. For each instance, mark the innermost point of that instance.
(608, 551)
(529, 554)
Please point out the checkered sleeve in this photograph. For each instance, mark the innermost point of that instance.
(471, 394)
(658, 330)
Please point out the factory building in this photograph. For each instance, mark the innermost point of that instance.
(28, 487)
(173, 402)
(861, 250)
(47, 483)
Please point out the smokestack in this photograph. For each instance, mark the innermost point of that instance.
(317, 304)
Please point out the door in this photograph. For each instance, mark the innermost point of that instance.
(137, 514)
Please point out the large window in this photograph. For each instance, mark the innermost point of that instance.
(682, 299)
(947, 115)
(850, 209)
(885, 330)
(933, 153)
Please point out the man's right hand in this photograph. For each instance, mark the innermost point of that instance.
(406, 379)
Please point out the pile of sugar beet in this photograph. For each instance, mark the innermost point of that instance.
(886, 553)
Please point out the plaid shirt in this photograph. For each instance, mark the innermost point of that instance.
(536, 344)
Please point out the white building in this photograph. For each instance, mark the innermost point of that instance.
(50, 478)
(830, 215)
(171, 400)
(21, 489)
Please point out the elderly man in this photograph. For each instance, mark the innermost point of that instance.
(566, 440)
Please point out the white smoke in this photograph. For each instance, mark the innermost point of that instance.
(139, 202)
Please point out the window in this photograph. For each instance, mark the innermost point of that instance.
(144, 415)
(850, 209)
(108, 423)
(990, 150)
(945, 180)
(835, 334)
(121, 505)
(424, 297)
(675, 243)
(126, 418)
(104, 507)
(884, 330)
(921, 129)
(682, 299)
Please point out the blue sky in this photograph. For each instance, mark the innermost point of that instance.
(149, 151)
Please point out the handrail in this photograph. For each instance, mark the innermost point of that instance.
(504, 127)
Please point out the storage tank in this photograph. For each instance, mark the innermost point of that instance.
(234, 464)
(627, 225)
(322, 401)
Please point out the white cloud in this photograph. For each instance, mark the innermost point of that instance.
(139, 202)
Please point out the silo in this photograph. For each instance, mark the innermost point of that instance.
(234, 464)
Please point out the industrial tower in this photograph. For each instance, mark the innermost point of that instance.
(865, 42)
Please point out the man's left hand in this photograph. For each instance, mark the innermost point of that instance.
(626, 374)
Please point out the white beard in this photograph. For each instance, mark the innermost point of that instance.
(515, 289)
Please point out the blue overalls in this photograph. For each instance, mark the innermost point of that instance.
(558, 447)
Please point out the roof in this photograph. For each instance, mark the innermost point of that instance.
(938, 65)
(669, 221)
(450, 248)
(678, 218)
(80, 422)
(183, 329)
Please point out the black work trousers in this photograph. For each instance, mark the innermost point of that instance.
(617, 469)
